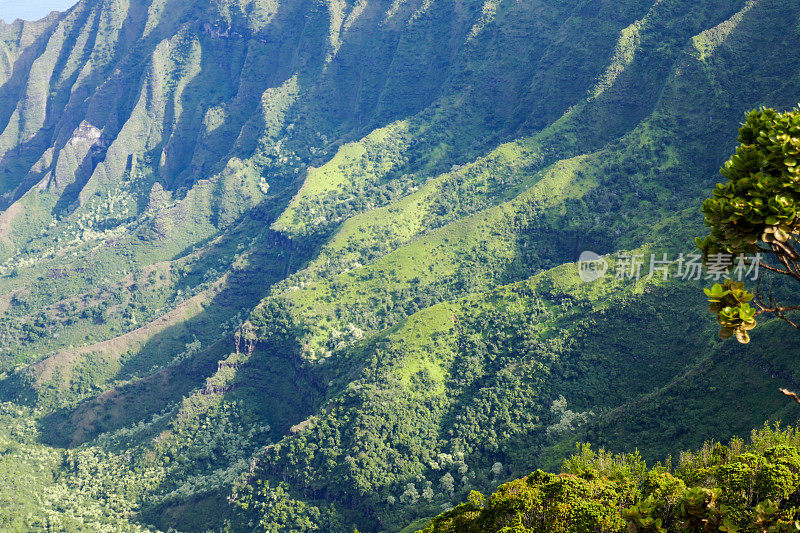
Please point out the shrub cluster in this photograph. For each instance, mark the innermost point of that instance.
(736, 488)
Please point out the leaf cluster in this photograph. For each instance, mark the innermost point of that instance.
(729, 301)
(759, 201)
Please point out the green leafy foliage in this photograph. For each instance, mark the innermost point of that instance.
(759, 200)
(729, 301)
(757, 204)
(541, 502)
(752, 488)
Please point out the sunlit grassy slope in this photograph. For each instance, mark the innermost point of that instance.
(309, 265)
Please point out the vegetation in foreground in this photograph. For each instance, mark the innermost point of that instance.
(745, 486)
(755, 212)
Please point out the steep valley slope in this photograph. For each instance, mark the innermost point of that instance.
(309, 265)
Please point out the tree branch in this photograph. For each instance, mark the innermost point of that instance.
(791, 395)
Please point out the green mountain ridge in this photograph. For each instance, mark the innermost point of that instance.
(309, 265)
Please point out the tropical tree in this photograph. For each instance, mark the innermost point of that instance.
(754, 220)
